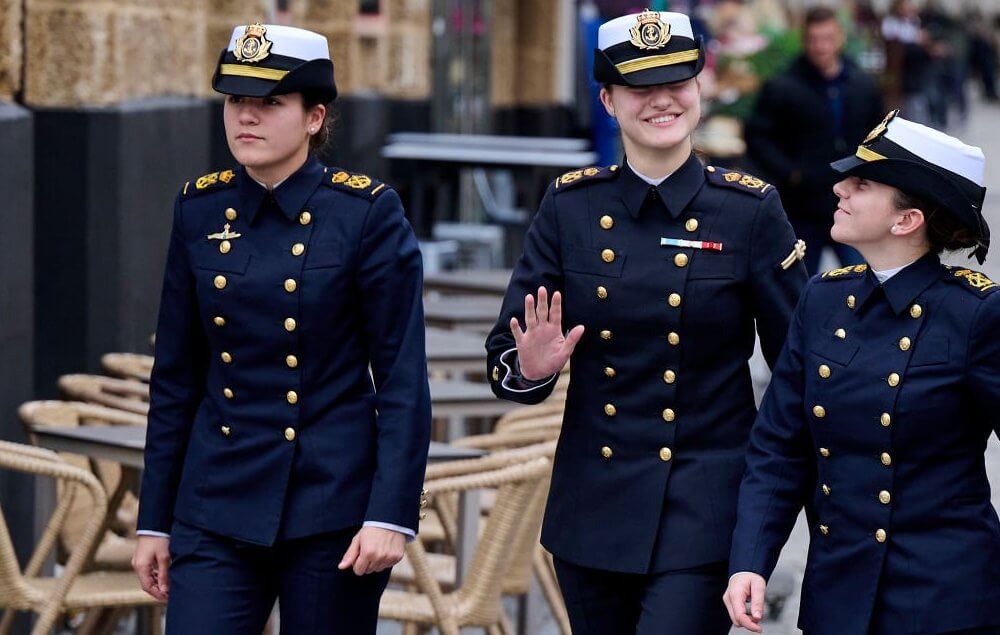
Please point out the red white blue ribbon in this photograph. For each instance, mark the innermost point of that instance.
(690, 244)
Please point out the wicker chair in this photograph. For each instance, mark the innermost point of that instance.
(115, 551)
(529, 558)
(477, 600)
(128, 365)
(124, 394)
(50, 597)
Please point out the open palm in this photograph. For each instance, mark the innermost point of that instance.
(542, 349)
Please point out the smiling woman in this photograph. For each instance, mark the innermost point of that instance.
(289, 414)
(653, 276)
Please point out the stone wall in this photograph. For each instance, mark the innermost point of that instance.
(526, 38)
(11, 48)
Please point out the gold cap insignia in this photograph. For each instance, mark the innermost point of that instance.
(880, 129)
(649, 32)
(252, 46)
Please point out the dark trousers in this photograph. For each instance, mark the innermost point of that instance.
(684, 602)
(221, 586)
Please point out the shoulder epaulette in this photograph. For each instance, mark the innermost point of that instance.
(209, 183)
(845, 273)
(574, 178)
(974, 281)
(356, 184)
(737, 181)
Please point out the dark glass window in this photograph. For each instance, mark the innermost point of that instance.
(368, 7)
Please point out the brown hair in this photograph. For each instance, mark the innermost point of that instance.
(319, 140)
(944, 232)
(816, 15)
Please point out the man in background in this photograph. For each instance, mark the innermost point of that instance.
(817, 110)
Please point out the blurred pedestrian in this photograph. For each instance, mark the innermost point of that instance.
(803, 120)
(908, 60)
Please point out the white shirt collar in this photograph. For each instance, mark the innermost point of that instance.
(273, 187)
(885, 274)
(647, 179)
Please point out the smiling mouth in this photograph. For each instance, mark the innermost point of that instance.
(662, 119)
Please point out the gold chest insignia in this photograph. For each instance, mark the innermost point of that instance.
(225, 234)
(649, 32)
(252, 46)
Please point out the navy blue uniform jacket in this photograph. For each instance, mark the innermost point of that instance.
(264, 419)
(660, 401)
(876, 421)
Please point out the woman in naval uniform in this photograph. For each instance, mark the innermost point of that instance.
(276, 464)
(656, 272)
(880, 408)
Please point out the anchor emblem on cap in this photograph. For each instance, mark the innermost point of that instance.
(649, 31)
(252, 46)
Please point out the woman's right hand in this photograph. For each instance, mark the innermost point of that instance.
(151, 562)
(746, 587)
(542, 350)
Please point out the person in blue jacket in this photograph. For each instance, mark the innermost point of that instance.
(289, 413)
(880, 408)
(654, 277)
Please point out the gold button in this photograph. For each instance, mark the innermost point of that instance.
(673, 338)
(289, 434)
(607, 222)
(610, 410)
(668, 415)
(226, 357)
(665, 454)
(885, 420)
(305, 218)
(602, 293)
(904, 344)
(824, 371)
(826, 489)
(608, 255)
(289, 324)
(606, 452)
(669, 376)
(605, 335)
(884, 497)
(609, 372)
(613, 168)
(292, 397)
(851, 302)
(291, 285)
(824, 452)
(886, 459)
(691, 224)
(819, 412)
(230, 213)
(711, 168)
(226, 430)
(291, 361)
(841, 333)
(220, 282)
(496, 373)
(681, 260)
(228, 392)
(225, 246)
(823, 529)
(916, 311)
(674, 300)
(893, 379)
(219, 320)
(298, 249)
(880, 535)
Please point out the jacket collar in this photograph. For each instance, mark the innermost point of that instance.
(904, 287)
(290, 196)
(676, 191)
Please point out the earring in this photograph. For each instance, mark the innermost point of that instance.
(894, 229)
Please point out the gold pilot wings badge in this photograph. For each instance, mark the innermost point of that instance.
(225, 234)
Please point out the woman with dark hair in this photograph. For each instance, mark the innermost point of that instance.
(654, 276)
(289, 411)
(880, 408)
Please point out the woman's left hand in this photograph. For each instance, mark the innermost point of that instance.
(373, 549)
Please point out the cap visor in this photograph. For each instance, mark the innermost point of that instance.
(847, 164)
(243, 86)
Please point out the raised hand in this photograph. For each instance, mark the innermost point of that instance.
(542, 349)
